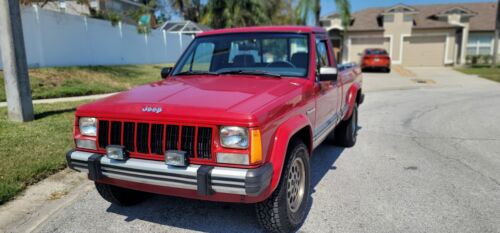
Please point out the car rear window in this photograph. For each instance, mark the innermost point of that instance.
(376, 52)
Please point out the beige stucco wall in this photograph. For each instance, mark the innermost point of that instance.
(396, 29)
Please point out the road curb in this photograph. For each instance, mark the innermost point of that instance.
(38, 202)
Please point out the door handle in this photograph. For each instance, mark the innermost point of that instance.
(310, 111)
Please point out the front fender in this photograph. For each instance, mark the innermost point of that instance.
(281, 140)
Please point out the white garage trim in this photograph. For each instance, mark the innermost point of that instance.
(447, 43)
(349, 43)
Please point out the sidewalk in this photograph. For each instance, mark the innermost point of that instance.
(66, 99)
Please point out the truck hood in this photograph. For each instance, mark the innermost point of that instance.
(208, 98)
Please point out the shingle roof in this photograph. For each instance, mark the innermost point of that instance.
(484, 20)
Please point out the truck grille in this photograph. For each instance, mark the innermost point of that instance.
(155, 138)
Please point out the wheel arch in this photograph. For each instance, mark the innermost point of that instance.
(298, 127)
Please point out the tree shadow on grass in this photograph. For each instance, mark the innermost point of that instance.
(42, 115)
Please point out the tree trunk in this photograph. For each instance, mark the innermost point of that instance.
(317, 11)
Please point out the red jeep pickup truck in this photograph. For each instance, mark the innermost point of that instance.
(236, 120)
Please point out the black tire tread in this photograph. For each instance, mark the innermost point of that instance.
(342, 135)
(270, 214)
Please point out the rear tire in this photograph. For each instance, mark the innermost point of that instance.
(121, 196)
(286, 209)
(345, 133)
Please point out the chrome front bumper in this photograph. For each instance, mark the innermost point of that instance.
(204, 179)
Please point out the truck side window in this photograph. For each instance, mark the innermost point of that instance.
(202, 58)
(321, 53)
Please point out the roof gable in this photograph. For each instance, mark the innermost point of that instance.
(400, 8)
(459, 10)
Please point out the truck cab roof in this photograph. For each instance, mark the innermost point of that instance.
(292, 29)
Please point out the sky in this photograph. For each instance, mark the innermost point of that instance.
(328, 6)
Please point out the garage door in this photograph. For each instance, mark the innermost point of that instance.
(358, 45)
(424, 51)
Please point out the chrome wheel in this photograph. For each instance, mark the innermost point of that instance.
(295, 184)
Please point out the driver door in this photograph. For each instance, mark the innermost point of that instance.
(327, 92)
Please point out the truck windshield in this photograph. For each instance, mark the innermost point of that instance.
(266, 54)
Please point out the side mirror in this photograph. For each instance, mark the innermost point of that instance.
(165, 72)
(328, 74)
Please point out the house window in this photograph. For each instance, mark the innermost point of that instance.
(408, 18)
(479, 45)
(388, 18)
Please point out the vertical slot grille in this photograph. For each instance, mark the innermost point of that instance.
(187, 140)
(128, 135)
(157, 139)
(154, 139)
(116, 133)
(204, 140)
(103, 133)
(142, 138)
(172, 137)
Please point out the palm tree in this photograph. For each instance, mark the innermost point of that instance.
(305, 7)
(344, 10)
(188, 9)
(234, 13)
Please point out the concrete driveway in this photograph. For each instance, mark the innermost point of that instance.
(426, 160)
(402, 78)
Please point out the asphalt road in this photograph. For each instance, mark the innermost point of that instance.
(426, 160)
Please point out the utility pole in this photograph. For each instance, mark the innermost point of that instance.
(15, 67)
(495, 43)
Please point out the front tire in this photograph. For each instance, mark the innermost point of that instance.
(346, 132)
(120, 196)
(286, 209)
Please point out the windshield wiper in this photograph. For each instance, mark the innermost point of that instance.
(196, 72)
(251, 72)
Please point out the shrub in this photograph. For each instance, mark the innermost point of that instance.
(479, 59)
(486, 59)
(112, 16)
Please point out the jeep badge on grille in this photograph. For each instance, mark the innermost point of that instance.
(152, 109)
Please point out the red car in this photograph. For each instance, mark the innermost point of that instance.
(375, 59)
(236, 120)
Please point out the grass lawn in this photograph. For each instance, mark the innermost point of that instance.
(31, 151)
(86, 80)
(483, 71)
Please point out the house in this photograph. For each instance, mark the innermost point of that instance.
(419, 35)
(184, 27)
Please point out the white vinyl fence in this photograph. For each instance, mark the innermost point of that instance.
(56, 39)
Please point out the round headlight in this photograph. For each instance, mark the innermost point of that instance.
(234, 137)
(88, 126)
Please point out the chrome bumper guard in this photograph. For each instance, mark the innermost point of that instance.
(204, 179)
